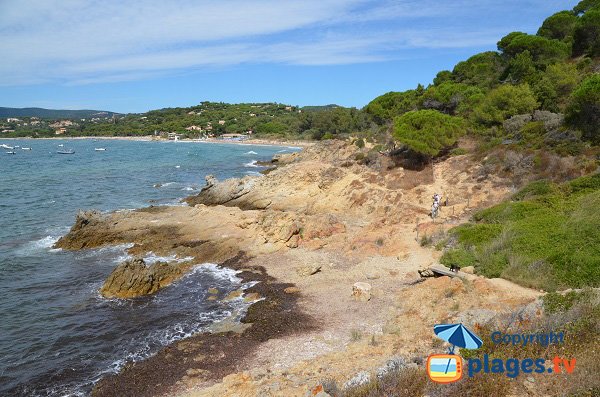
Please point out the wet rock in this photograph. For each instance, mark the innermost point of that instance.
(361, 291)
(134, 278)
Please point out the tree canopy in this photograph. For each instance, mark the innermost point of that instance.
(428, 132)
(559, 26)
(584, 111)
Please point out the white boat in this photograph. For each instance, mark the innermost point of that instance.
(100, 149)
(11, 152)
(25, 148)
(17, 146)
(61, 145)
(70, 151)
(5, 146)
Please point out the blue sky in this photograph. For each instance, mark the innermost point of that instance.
(133, 56)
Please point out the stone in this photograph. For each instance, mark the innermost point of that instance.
(468, 270)
(361, 291)
(291, 290)
(309, 270)
(213, 291)
(372, 275)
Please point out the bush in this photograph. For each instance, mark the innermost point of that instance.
(504, 102)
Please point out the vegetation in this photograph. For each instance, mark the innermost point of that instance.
(547, 236)
(427, 131)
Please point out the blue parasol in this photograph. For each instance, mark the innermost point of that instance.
(457, 335)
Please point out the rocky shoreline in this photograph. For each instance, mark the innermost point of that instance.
(331, 235)
(208, 357)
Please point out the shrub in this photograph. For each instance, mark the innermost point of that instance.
(504, 102)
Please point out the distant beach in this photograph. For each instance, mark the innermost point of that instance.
(149, 138)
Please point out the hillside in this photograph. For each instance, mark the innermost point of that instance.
(52, 113)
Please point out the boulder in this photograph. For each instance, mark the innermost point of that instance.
(361, 291)
(134, 278)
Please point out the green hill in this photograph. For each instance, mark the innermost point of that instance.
(52, 113)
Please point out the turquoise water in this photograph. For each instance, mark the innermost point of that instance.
(57, 335)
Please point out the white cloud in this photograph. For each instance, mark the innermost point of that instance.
(100, 41)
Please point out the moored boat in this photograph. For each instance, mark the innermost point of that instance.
(70, 151)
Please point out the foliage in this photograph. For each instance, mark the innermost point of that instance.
(392, 104)
(543, 51)
(559, 26)
(504, 102)
(585, 5)
(428, 131)
(555, 84)
(482, 70)
(584, 110)
(547, 236)
(586, 38)
(449, 97)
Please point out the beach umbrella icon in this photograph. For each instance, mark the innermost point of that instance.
(457, 335)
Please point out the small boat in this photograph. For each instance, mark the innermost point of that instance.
(100, 149)
(70, 151)
(11, 152)
(61, 145)
(25, 148)
(5, 146)
(17, 146)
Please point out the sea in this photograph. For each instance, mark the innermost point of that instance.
(58, 336)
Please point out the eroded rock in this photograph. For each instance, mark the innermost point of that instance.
(134, 278)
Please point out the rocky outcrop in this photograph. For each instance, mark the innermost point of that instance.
(134, 278)
(221, 193)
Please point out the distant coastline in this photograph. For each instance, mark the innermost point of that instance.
(151, 138)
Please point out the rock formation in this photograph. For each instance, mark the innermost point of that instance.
(134, 278)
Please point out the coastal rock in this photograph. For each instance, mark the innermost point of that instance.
(221, 193)
(134, 278)
(361, 291)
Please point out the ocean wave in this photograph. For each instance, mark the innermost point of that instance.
(36, 246)
(252, 164)
(251, 152)
(253, 173)
(189, 189)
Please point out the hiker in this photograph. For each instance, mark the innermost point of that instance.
(436, 205)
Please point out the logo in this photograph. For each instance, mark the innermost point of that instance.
(448, 368)
(444, 368)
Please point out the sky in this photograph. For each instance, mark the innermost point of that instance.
(138, 55)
